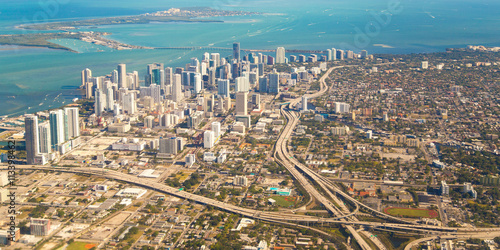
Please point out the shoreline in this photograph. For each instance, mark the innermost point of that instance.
(469, 49)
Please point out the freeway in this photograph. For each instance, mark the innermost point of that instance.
(251, 213)
(283, 157)
(302, 174)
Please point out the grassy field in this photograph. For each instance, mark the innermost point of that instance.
(285, 201)
(80, 246)
(411, 212)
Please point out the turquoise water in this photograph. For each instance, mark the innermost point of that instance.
(33, 79)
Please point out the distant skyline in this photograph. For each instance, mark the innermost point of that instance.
(33, 75)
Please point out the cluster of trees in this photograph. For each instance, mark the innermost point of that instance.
(484, 161)
(38, 212)
(192, 181)
(300, 141)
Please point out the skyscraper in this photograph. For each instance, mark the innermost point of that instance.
(236, 51)
(198, 84)
(109, 100)
(341, 107)
(329, 55)
(208, 139)
(334, 54)
(44, 138)
(364, 54)
(155, 91)
(223, 87)
(340, 54)
(114, 76)
(177, 88)
(169, 146)
(280, 55)
(122, 75)
(149, 121)
(242, 84)
(86, 75)
(241, 103)
(73, 119)
(57, 131)
(215, 58)
(168, 76)
(216, 129)
(129, 104)
(263, 85)
(304, 103)
(274, 80)
(100, 102)
(256, 100)
(31, 137)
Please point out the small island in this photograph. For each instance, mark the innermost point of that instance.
(196, 14)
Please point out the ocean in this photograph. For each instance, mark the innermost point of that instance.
(34, 79)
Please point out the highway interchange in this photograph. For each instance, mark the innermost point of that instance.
(329, 194)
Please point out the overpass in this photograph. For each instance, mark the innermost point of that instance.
(251, 213)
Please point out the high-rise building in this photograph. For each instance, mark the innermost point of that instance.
(86, 76)
(350, 54)
(89, 87)
(149, 121)
(73, 119)
(153, 74)
(208, 139)
(242, 84)
(340, 54)
(445, 189)
(109, 100)
(129, 104)
(364, 54)
(425, 64)
(329, 55)
(44, 138)
(334, 54)
(114, 76)
(341, 107)
(169, 146)
(280, 55)
(168, 76)
(256, 101)
(31, 137)
(241, 103)
(122, 75)
(39, 227)
(162, 79)
(100, 102)
(223, 87)
(236, 51)
(467, 187)
(216, 128)
(274, 80)
(240, 181)
(177, 88)
(263, 85)
(198, 84)
(215, 58)
(190, 160)
(57, 128)
(304, 103)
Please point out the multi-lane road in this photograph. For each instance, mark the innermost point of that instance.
(330, 196)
